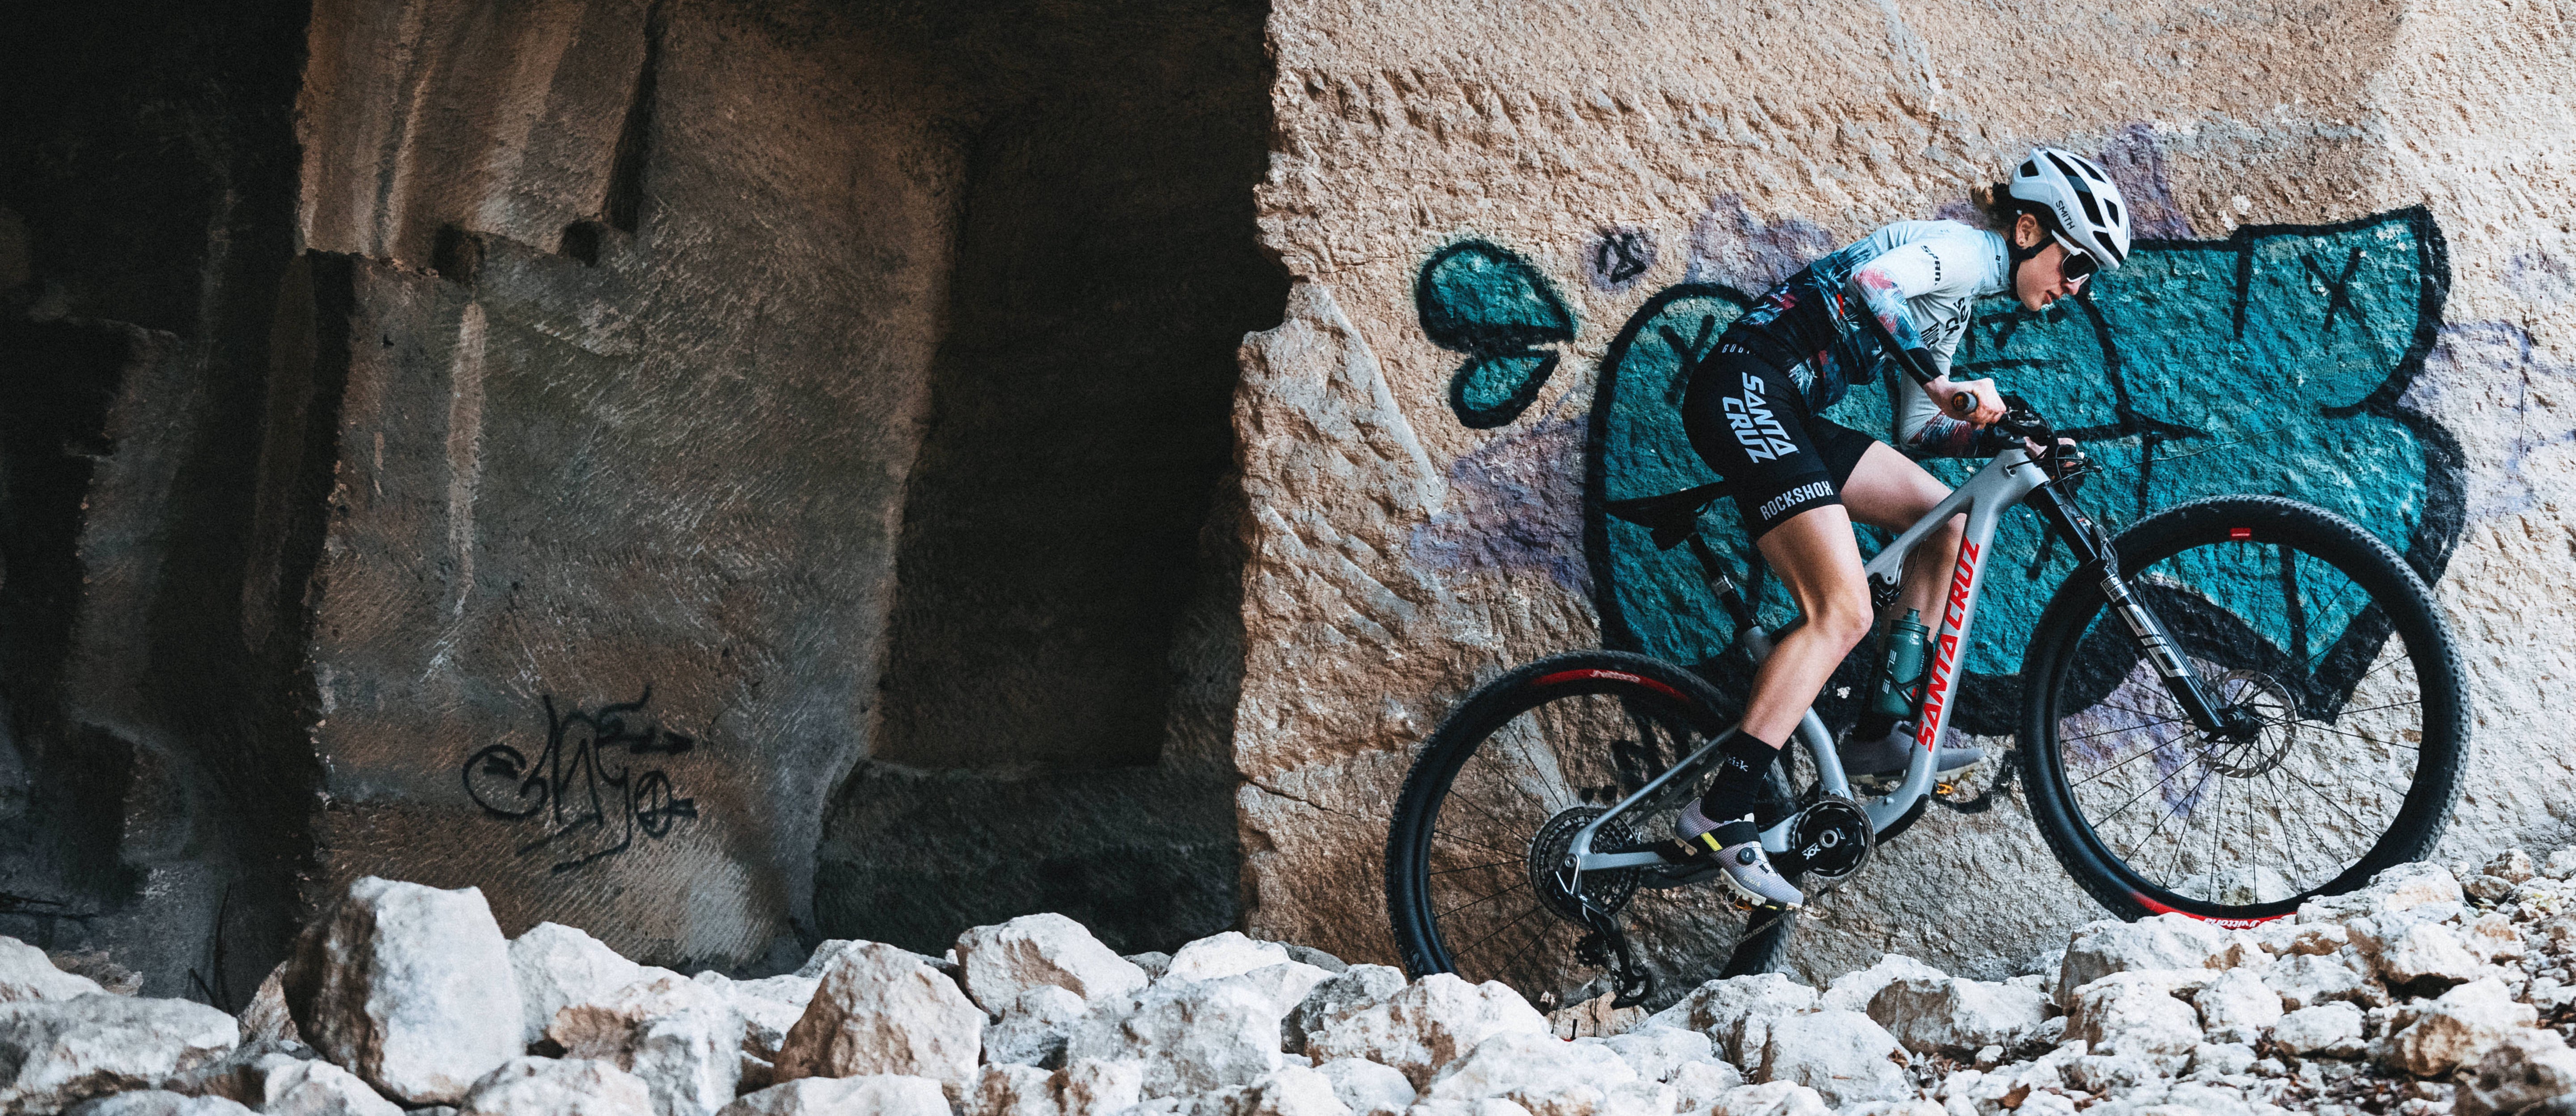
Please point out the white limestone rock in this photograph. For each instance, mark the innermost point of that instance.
(2493, 938)
(27, 975)
(309, 1088)
(2330, 1030)
(402, 984)
(1293, 1091)
(2560, 865)
(681, 1037)
(2138, 1012)
(769, 1007)
(2105, 1074)
(1353, 988)
(1100, 1086)
(1956, 1016)
(2236, 1006)
(558, 965)
(1031, 1029)
(882, 1010)
(1224, 955)
(2523, 1069)
(2458, 1029)
(1191, 1036)
(1843, 1055)
(866, 1095)
(1771, 1098)
(1539, 1072)
(2304, 980)
(265, 1020)
(1737, 1012)
(532, 1086)
(1013, 1090)
(56, 1052)
(1428, 1024)
(2168, 941)
(1367, 1088)
(1000, 962)
(159, 1102)
(1698, 1085)
(2418, 956)
(1657, 1052)
(2405, 887)
(1853, 991)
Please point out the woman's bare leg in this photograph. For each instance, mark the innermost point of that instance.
(1889, 491)
(1818, 561)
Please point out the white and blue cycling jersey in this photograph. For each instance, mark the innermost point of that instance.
(1922, 280)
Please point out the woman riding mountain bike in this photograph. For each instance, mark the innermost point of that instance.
(1900, 297)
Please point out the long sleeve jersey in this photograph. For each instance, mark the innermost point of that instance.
(1922, 280)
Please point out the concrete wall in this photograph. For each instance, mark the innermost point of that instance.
(2355, 296)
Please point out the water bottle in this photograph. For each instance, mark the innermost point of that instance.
(1900, 681)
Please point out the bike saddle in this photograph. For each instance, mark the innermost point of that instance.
(1673, 516)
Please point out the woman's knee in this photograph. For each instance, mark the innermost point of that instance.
(1843, 614)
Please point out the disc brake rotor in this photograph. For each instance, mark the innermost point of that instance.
(2268, 702)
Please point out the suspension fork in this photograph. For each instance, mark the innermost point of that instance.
(2094, 555)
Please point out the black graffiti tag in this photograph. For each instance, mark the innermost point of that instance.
(572, 788)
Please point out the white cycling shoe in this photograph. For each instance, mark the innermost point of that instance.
(1736, 848)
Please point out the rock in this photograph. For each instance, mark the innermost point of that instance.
(2458, 1029)
(2414, 956)
(882, 1010)
(1098, 1087)
(2137, 1012)
(1942, 1014)
(2221, 1059)
(1367, 1088)
(1357, 986)
(2404, 887)
(2304, 980)
(831, 950)
(2243, 951)
(27, 975)
(265, 1019)
(1014, 1090)
(532, 1086)
(2522, 1069)
(2236, 1006)
(681, 1037)
(1427, 1024)
(2104, 1074)
(557, 965)
(1658, 1052)
(1295, 1091)
(1285, 985)
(1698, 1085)
(306, 1088)
(1844, 1056)
(1224, 955)
(769, 1007)
(1895, 1108)
(2319, 939)
(2560, 864)
(1539, 1072)
(1154, 963)
(1737, 1012)
(1309, 955)
(1191, 1036)
(2488, 889)
(1854, 990)
(2168, 941)
(1031, 1030)
(2332, 1030)
(1598, 1017)
(400, 984)
(1000, 962)
(2512, 866)
(55, 1052)
(159, 1102)
(2492, 938)
(866, 1095)
(1771, 1098)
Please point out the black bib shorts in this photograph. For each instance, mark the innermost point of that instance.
(1748, 421)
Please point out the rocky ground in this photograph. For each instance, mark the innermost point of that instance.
(2434, 990)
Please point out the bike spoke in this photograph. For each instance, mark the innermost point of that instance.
(1442, 835)
(1521, 886)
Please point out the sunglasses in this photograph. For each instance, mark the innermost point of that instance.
(2077, 265)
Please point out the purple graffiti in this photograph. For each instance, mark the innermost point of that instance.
(1732, 246)
(1515, 503)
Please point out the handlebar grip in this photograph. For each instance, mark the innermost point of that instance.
(1963, 405)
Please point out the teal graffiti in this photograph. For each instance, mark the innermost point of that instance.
(2274, 361)
(1487, 302)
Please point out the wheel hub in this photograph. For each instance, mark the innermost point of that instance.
(2265, 705)
(1607, 890)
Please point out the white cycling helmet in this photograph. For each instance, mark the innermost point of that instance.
(2089, 215)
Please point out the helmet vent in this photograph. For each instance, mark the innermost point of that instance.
(2029, 169)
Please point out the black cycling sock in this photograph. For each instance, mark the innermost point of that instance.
(1741, 762)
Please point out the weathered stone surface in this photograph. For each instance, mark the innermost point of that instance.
(866, 1095)
(2333, 1030)
(1367, 1088)
(769, 1007)
(1941, 1014)
(1737, 1012)
(1031, 1029)
(1003, 961)
(557, 965)
(2305, 980)
(1698, 1085)
(55, 1052)
(1294, 1091)
(1356, 987)
(2418, 956)
(532, 1086)
(1190, 1036)
(2237, 1005)
(1013, 1090)
(1539, 1072)
(2524, 1069)
(401, 984)
(1658, 1052)
(265, 1019)
(1843, 1055)
(880, 1010)
(1771, 1098)
(681, 1037)
(27, 974)
(2458, 1029)
(1100, 1086)
(159, 1102)
(1428, 1024)
(2138, 1012)
(1285, 985)
(2111, 946)
(1854, 990)
(1223, 955)
(309, 1088)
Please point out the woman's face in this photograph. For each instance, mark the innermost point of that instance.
(2041, 279)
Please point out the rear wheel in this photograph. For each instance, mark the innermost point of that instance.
(1497, 794)
(2359, 727)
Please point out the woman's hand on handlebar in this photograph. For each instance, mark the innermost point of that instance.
(1974, 402)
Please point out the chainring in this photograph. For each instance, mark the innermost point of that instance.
(1831, 838)
(1609, 890)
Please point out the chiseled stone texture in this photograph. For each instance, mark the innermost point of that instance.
(1399, 553)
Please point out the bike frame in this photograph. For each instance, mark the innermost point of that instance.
(2010, 478)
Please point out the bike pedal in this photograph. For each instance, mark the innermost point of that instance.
(1945, 788)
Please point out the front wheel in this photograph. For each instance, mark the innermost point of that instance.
(2295, 616)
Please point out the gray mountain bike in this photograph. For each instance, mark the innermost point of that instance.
(2236, 705)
